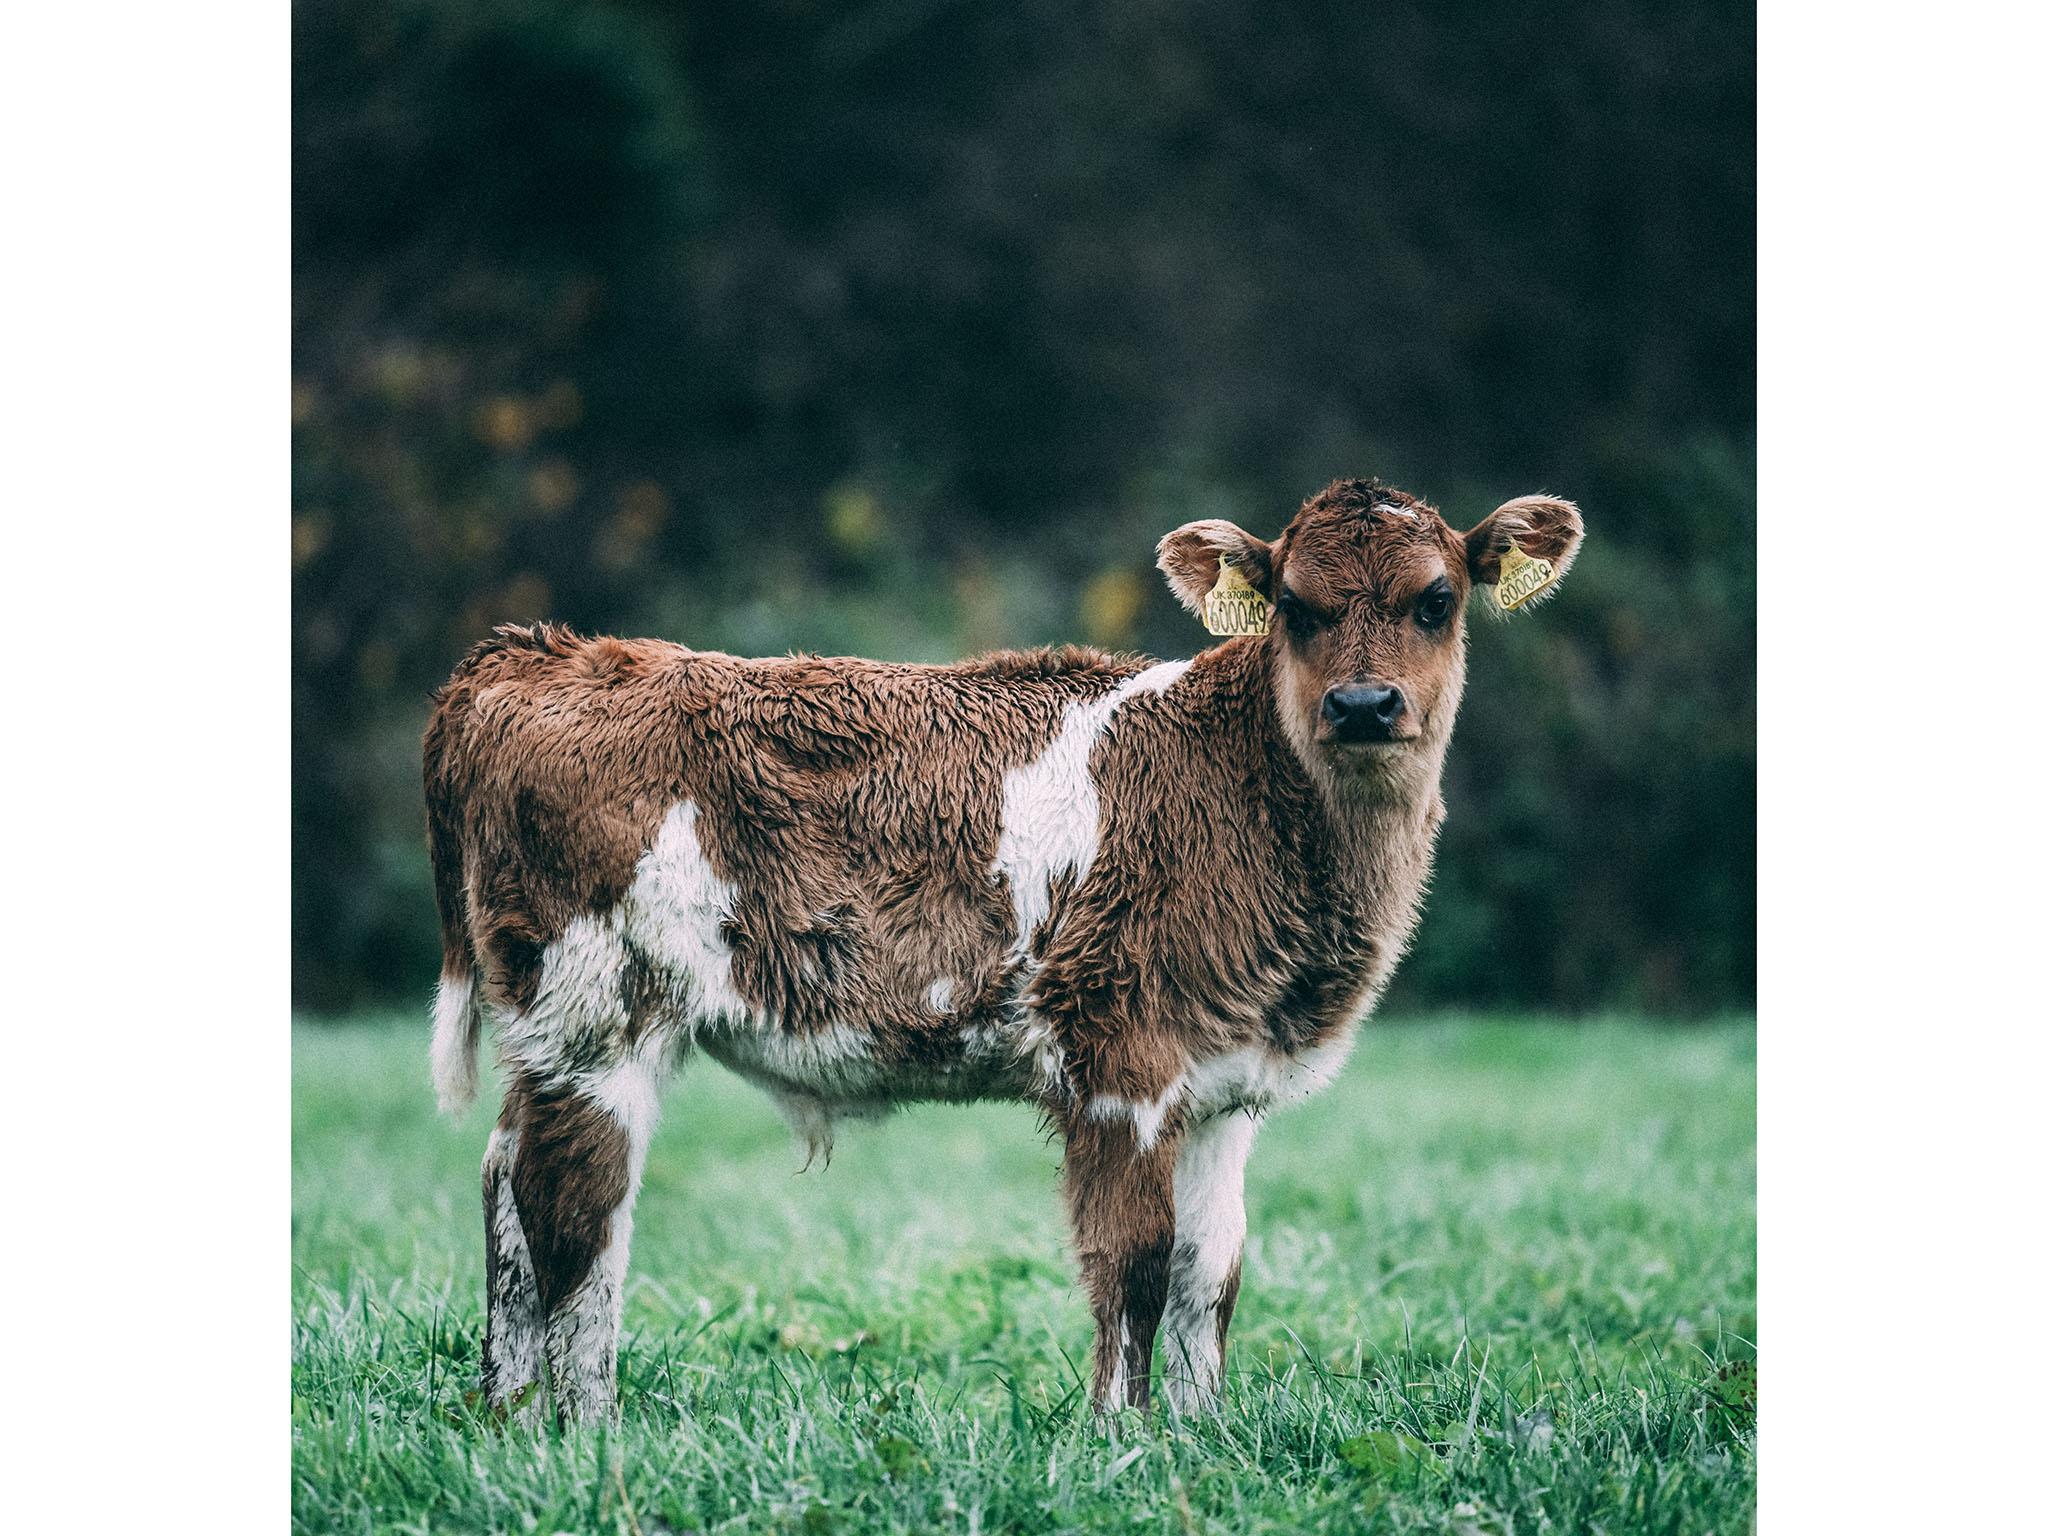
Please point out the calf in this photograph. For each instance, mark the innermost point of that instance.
(1153, 900)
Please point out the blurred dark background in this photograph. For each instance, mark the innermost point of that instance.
(906, 328)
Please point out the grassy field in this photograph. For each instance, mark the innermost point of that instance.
(1501, 1279)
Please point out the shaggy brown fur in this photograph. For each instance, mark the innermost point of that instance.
(849, 801)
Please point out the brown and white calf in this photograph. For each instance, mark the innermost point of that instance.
(1152, 899)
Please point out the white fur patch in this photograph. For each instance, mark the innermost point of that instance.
(576, 1015)
(1252, 1077)
(1257, 1078)
(631, 1091)
(941, 994)
(1147, 1116)
(1119, 1375)
(835, 1062)
(1041, 1048)
(516, 1339)
(1052, 815)
(452, 1058)
(583, 1332)
(1208, 1236)
(675, 911)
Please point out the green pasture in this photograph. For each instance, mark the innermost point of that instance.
(1500, 1279)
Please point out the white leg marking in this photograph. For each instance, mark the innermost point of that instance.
(1208, 1238)
(515, 1339)
(1052, 817)
(631, 1092)
(674, 914)
(1119, 1374)
(583, 1333)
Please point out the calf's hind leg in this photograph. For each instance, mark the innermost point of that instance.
(577, 1170)
(513, 1330)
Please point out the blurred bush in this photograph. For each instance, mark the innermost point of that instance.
(907, 328)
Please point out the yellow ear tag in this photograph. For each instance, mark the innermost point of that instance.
(1521, 578)
(1234, 606)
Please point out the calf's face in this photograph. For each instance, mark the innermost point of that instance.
(1369, 588)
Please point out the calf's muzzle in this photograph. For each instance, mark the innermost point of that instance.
(1365, 712)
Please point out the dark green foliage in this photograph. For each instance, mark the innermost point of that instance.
(907, 330)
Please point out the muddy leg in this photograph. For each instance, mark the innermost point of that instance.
(513, 1329)
(577, 1171)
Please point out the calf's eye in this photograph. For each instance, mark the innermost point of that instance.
(1300, 622)
(1434, 610)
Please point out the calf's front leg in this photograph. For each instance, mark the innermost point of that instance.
(1119, 1189)
(1208, 1250)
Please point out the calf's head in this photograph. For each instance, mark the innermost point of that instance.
(1369, 588)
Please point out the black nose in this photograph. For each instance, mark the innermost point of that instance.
(1363, 711)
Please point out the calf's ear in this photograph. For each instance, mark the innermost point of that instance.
(1193, 553)
(1523, 548)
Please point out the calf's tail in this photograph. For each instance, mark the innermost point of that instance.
(457, 1024)
(457, 1019)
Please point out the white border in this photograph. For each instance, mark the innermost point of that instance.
(143, 385)
(1901, 505)
(1901, 1022)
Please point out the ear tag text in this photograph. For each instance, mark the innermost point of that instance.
(1521, 578)
(1234, 606)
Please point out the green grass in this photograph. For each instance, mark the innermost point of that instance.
(1491, 1282)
